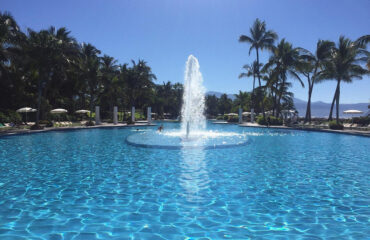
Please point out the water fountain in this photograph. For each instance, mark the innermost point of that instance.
(192, 133)
(192, 112)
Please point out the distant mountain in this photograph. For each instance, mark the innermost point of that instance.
(318, 109)
(322, 109)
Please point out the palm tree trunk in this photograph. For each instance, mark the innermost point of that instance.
(253, 97)
(338, 95)
(332, 105)
(254, 81)
(308, 110)
(91, 106)
(259, 82)
(39, 97)
(279, 99)
(275, 100)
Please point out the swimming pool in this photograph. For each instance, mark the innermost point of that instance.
(91, 184)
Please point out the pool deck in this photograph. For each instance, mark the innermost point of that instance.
(16, 131)
(313, 129)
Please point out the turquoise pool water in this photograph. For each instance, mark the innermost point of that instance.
(91, 184)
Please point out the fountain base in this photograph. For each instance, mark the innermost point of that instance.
(178, 140)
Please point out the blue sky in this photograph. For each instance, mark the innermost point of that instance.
(165, 32)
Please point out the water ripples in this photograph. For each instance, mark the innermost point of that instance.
(92, 185)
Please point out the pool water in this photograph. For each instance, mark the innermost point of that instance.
(91, 184)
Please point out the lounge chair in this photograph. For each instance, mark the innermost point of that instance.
(347, 125)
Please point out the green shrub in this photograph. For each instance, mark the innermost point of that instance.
(233, 119)
(336, 126)
(273, 120)
(43, 122)
(15, 117)
(47, 123)
(261, 121)
(36, 127)
(129, 121)
(90, 123)
(361, 120)
(7, 116)
(4, 118)
(220, 118)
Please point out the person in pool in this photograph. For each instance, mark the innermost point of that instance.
(160, 128)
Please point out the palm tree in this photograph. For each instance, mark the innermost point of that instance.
(109, 77)
(139, 82)
(90, 66)
(284, 62)
(243, 100)
(10, 40)
(9, 32)
(212, 105)
(49, 53)
(251, 70)
(343, 67)
(225, 104)
(259, 39)
(272, 85)
(310, 67)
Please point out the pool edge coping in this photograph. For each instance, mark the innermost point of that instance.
(25, 132)
(55, 129)
(365, 134)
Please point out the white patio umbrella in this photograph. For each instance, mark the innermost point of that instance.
(268, 112)
(353, 112)
(82, 111)
(288, 111)
(58, 111)
(26, 110)
(231, 114)
(247, 113)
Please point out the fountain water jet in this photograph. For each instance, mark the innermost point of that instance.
(192, 112)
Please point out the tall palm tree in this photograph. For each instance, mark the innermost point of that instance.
(49, 53)
(8, 34)
(139, 81)
(272, 85)
(109, 77)
(343, 67)
(259, 39)
(284, 62)
(90, 66)
(311, 65)
(10, 40)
